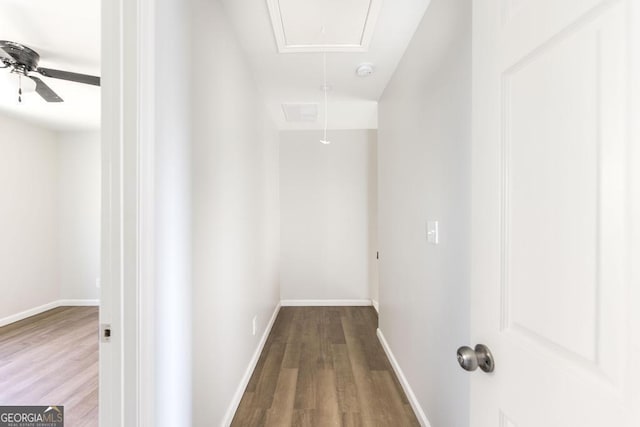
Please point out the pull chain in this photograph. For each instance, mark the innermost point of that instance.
(325, 89)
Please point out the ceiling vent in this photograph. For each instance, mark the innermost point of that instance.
(323, 26)
(300, 112)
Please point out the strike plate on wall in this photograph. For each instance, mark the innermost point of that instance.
(105, 332)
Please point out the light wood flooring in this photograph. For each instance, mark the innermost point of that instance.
(52, 359)
(324, 366)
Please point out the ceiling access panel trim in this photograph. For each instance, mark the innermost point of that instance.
(277, 23)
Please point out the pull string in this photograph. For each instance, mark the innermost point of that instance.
(19, 88)
(325, 88)
(326, 109)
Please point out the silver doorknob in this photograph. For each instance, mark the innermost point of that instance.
(470, 359)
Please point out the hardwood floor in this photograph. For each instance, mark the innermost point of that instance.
(324, 366)
(52, 359)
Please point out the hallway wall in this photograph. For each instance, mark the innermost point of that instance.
(328, 220)
(424, 145)
(235, 214)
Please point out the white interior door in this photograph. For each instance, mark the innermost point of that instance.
(555, 213)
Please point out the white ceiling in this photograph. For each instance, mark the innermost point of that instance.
(66, 34)
(290, 78)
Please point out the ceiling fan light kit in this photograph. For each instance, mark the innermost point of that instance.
(23, 61)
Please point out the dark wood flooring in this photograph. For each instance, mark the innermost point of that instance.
(324, 366)
(52, 359)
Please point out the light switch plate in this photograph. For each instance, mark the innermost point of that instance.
(432, 232)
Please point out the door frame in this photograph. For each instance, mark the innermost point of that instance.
(126, 385)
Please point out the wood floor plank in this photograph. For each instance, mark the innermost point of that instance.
(363, 331)
(257, 418)
(342, 376)
(327, 411)
(38, 332)
(351, 419)
(335, 333)
(22, 371)
(49, 366)
(393, 409)
(294, 342)
(281, 412)
(52, 358)
(345, 382)
(266, 386)
(253, 382)
(291, 359)
(310, 360)
(33, 324)
(303, 418)
(282, 326)
(244, 409)
(362, 376)
(305, 397)
(325, 358)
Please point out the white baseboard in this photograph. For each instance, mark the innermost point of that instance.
(46, 307)
(424, 422)
(374, 303)
(324, 302)
(78, 302)
(235, 402)
(28, 313)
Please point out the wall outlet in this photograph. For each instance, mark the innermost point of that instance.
(253, 325)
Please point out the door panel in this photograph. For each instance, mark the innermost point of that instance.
(552, 201)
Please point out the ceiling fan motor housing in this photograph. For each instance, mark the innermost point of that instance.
(26, 59)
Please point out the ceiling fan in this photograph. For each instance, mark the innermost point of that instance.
(24, 62)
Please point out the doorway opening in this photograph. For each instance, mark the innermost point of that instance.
(50, 206)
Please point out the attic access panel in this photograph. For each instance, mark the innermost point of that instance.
(323, 25)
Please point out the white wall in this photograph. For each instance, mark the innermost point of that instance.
(424, 162)
(235, 214)
(49, 216)
(28, 217)
(78, 204)
(328, 215)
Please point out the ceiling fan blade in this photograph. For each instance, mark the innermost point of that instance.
(45, 91)
(67, 75)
